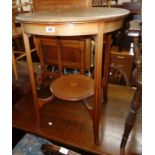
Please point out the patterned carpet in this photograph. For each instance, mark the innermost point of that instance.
(29, 145)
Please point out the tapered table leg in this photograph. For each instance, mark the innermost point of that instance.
(97, 81)
(32, 78)
(106, 66)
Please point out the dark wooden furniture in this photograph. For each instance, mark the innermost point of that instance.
(134, 32)
(100, 3)
(103, 3)
(73, 22)
(74, 50)
(123, 60)
(118, 76)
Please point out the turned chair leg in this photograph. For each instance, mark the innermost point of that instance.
(135, 104)
(136, 101)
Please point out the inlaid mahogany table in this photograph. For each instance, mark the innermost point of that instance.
(73, 22)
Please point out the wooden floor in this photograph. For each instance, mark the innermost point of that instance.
(72, 125)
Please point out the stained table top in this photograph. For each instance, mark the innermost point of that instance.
(73, 15)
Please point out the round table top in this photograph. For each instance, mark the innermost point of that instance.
(73, 15)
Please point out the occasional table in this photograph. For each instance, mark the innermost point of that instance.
(73, 22)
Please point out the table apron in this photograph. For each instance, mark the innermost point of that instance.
(66, 29)
(70, 29)
(113, 25)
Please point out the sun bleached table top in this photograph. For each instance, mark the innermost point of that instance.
(73, 15)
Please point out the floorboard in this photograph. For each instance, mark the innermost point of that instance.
(72, 125)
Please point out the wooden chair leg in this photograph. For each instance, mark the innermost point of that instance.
(135, 104)
(14, 66)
